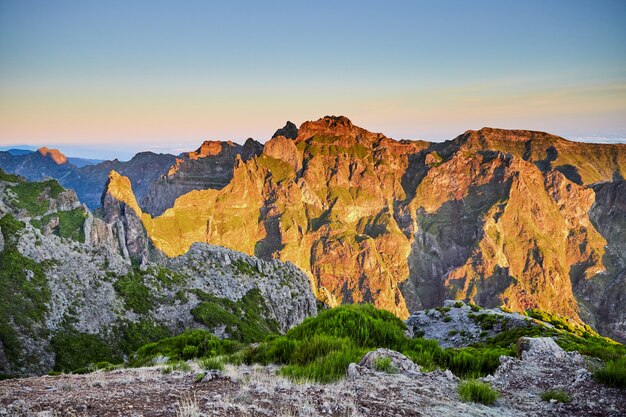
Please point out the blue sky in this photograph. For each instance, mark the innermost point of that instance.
(111, 78)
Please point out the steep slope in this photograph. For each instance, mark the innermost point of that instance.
(71, 293)
(496, 217)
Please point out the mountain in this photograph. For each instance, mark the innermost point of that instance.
(72, 292)
(85, 176)
(516, 218)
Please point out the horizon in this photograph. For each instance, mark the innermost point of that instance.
(100, 151)
(109, 80)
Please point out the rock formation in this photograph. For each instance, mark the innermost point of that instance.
(495, 217)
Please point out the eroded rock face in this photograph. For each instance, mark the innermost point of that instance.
(497, 217)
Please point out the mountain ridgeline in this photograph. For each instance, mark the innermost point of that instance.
(516, 218)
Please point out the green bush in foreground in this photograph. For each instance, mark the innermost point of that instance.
(559, 395)
(477, 392)
(321, 348)
(188, 345)
(613, 373)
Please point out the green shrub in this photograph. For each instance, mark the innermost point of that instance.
(363, 324)
(189, 352)
(188, 345)
(324, 369)
(459, 304)
(383, 364)
(77, 352)
(471, 362)
(30, 195)
(559, 395)
(176, 366)
(245, 320)
(136, 295)
(24, 290)
(613, 373)
(477, 392)
(9, 177)
(71, 224)
(213, 363)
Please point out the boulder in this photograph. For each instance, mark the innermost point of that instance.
(399, 362)
(543, 348)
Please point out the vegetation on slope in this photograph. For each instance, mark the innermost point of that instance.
(29, 195)
(322, 347)
(24, 291)
(244, 320)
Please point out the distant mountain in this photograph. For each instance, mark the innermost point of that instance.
(157, 179)
(17, 152)
(81, 162)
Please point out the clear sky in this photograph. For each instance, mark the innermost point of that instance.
(109, 78)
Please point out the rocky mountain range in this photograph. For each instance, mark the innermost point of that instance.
(516, 218)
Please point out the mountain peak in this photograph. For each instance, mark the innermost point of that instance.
(290, 131)
(53, 154)
(209, 148)
(119, 188)
(329, 125)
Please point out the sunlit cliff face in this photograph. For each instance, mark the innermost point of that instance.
(495, 217)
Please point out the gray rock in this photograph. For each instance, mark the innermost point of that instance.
(458, 324)
(399, 362)
(543, 348)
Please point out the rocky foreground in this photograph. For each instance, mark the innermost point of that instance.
(257, 391)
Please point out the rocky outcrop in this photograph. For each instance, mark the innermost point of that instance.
(458, 324)
(286, 288)
(384, 360)
(121, 211)
(289, 131)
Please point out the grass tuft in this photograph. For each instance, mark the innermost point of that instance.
(613, 373)
(559, 395)
(477, 392)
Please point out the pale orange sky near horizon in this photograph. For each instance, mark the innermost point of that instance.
(109, 80)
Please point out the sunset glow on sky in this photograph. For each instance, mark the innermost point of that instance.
(107, 79)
